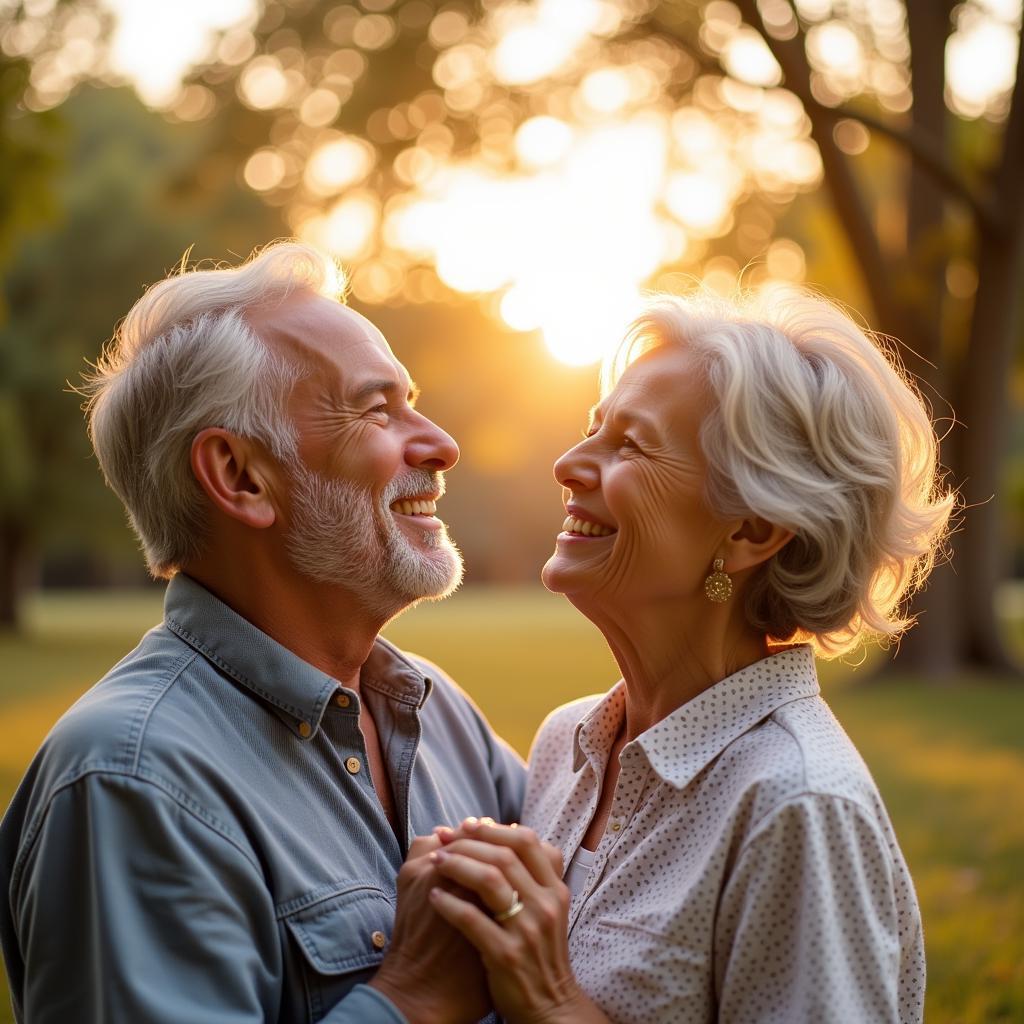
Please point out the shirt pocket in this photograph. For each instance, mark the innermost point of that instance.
(341, 939)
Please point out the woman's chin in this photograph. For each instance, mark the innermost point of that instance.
(551, 576)
(560, 578)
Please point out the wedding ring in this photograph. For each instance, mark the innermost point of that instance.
(514, 907)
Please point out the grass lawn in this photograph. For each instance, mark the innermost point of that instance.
(949, 760)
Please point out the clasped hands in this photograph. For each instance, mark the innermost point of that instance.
(499, 889)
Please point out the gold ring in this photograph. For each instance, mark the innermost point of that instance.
(514, 907)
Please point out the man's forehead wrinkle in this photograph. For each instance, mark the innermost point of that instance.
(372, 382)
(313, 324)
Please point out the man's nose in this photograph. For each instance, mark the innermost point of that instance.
(432, 448)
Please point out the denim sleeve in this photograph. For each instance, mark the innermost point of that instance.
(509, 775)
(506, 769)
(133, 905)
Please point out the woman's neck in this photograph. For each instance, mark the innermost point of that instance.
(669, 654)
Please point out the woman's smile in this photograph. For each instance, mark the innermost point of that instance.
(580, 524)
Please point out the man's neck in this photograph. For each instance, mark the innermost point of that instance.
(324, 625)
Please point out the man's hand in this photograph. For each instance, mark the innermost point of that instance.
(431, 973)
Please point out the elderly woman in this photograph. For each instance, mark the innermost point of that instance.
(758, 487)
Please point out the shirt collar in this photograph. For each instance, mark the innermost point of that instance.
(679, 746)
(297, 691)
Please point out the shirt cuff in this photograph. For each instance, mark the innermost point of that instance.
(365, 1005)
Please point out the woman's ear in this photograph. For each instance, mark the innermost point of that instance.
(753, 542)
(234, 474)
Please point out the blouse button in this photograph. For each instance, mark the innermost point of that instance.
(379, 940)
(616, 826)
(305, 729)
(343, 700)
(353, 765)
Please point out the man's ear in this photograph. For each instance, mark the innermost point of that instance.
(753, 542)
(234, 474)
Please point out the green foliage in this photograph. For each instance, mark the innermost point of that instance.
(125, 211)
(948, 761)
(30, 145)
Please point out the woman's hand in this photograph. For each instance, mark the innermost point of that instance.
(523, 940)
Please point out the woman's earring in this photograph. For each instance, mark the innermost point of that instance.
(718, 586)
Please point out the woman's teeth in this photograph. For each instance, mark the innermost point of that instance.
(586, 529)
(414, 508)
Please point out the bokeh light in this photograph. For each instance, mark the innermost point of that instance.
(577, 197)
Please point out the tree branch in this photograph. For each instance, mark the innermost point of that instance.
(1006, 180)
(921, 147)
(849, 202)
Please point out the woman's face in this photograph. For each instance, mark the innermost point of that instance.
(637, 528)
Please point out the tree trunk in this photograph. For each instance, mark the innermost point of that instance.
(13, 549)
(935, 646)
(995, 328)
(984, 408)
(958, 627)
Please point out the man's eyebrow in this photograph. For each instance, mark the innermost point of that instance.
(385, 387)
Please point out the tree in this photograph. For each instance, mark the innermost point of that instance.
(405, 96)
(408, 138)
(29, 157)
(128, 195)
(908, 296)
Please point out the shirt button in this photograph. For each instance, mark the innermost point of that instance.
(353, 765)
(305, 729)
(616, 826)
(343, 700)
(379, 940)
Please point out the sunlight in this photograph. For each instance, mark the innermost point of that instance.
(338, 163)
(563, 269)
(700, 200)
(747, 57)
(542, 141)
(981, 62)
(536, 40)
(154, 44)
(571, 205)
(346, 230)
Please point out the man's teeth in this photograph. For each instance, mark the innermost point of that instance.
(581, 526)
(415, 508)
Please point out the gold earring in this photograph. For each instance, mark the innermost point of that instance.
(718, 586)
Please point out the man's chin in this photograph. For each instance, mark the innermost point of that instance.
(435, 574)
(445, 585)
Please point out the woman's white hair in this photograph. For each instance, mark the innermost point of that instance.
(184, 359)
(814, 426)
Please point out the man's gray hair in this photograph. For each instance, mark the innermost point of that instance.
(184, 359)
(815, 426)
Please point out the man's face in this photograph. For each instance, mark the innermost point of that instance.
(361, 506)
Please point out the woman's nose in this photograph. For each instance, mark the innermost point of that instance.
(432, 448)
(576, 470)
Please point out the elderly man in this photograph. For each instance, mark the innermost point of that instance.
(213, 832)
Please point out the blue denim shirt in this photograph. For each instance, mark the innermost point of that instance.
(195, 843)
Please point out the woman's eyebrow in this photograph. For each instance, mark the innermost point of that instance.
(625, 416)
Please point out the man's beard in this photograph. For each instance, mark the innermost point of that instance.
(336, 536)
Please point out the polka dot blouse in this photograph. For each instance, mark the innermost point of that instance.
(748, 872)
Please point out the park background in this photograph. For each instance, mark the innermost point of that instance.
(501, 182)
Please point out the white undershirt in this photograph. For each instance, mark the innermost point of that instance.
(579, 868)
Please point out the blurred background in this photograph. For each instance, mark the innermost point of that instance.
(502, 182)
